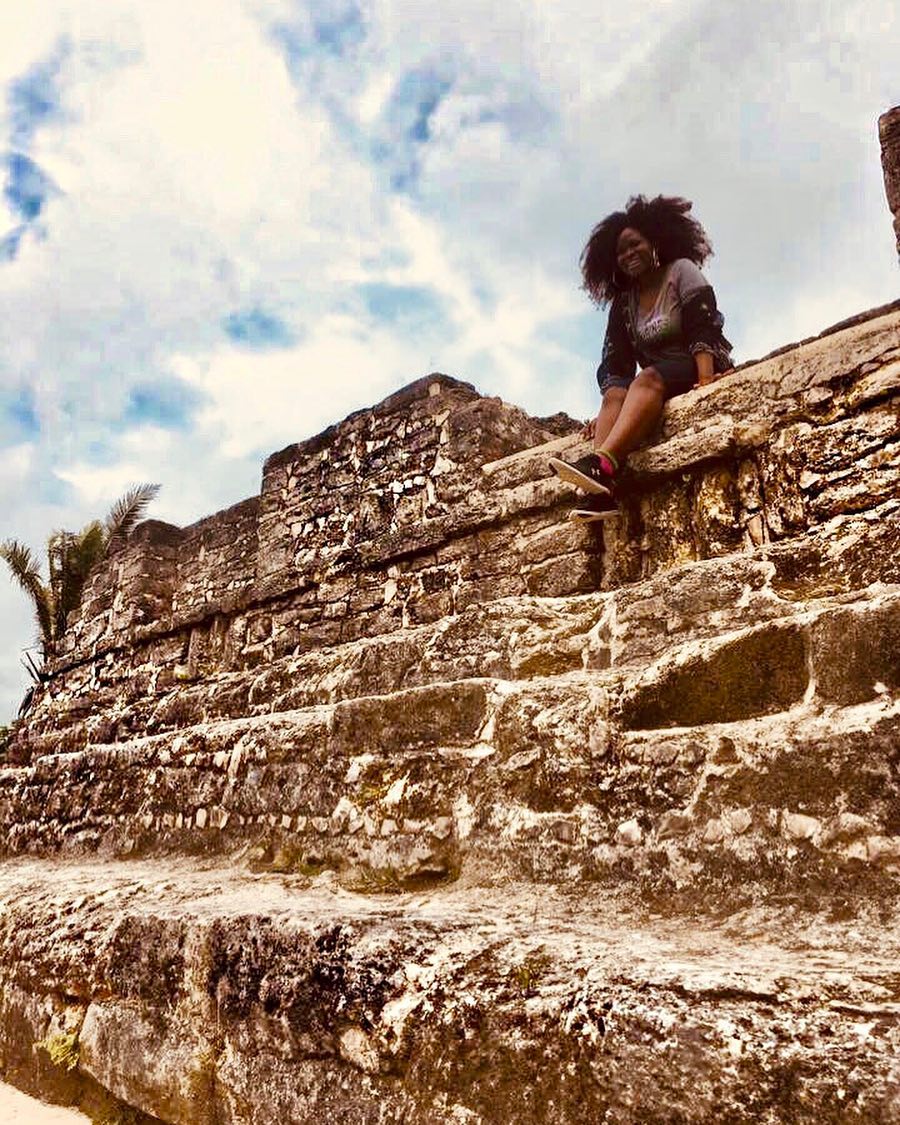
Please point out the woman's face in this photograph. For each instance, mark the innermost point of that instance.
(634, 254)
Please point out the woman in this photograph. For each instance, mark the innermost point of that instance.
(663, 321)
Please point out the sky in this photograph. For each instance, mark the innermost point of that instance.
(226, 224)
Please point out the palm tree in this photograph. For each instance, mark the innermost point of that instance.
(71, 556)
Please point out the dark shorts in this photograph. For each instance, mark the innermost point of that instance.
(679, 375)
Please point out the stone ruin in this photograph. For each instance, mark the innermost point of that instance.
(390, 795)
(889, 134)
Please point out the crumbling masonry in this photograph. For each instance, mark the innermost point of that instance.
(390, 795)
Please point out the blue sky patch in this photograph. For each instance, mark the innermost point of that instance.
(339, 32)
(258, 330)
(167, 403)
(412, 106)
(415, 99)
(9, 243)
(19, 413)
(394, 304)
(333, 29)
(582, 333)
(33, 99)
(27, 188)
(99, 452)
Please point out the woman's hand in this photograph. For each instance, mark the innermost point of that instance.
(587, 432)
(713, 377)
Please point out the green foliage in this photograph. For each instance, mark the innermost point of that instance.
(27, 572)
(372, 793)
(62, 1048)
(528, 974)
(71, 556)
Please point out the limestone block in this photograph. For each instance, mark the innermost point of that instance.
(171, 1082)
(883, 849)
(629, 833)
(673, 824)
(443, 714)
(714, 832)
(800, 827)
(855, 651)
(845, 827)
(889, 134)
(754, 672)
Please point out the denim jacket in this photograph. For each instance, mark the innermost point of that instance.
(701, 331)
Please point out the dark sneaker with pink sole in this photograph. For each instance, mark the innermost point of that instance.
(585, 473)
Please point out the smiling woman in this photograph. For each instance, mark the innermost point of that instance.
(663, 321)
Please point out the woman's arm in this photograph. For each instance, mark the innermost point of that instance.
(618, 360)
(705, 373)
(701, 323)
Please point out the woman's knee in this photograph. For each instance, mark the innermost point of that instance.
(650, 379)
(614, 396)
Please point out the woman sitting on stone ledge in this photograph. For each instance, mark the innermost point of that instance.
(663, 321)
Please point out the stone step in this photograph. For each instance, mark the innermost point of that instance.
(511, 638)
(535, 778)
(198, 995)
(377, 781)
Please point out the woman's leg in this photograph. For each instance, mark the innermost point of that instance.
(613, 400)
(637, 415)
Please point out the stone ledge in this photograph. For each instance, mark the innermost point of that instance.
(741, 410)
(266, 999)
(514, 637)
(720, 480)
(534, 779)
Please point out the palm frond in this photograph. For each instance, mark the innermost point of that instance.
(32, 667)
(72, 556)
(127, 511)
(23, 564)
(27, 572)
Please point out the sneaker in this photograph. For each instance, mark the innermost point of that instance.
(585, 473)
(600, 506)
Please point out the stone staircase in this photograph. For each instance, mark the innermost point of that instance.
(392, 796)
(605, 736)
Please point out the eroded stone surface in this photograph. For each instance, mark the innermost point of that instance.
(400, 670)
(889, 133)
(263, 999)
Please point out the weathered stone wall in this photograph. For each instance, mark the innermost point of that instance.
(399, 517)
(356, 533)
(217, 560)
(433, 803)
(361, 482)
(889, 133)
(266, 712)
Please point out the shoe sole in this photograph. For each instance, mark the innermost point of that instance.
(576, 477)
(580, 515)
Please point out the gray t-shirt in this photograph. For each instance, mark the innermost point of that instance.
(658, 331)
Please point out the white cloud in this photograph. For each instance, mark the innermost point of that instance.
(213, 158)
(16, 462)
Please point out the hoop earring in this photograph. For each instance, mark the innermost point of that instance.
(655, 258)
(623, 284)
